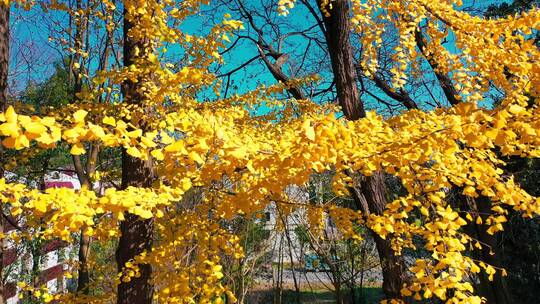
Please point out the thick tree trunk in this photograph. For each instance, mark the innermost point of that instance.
(136, 232)
(495, 291)
(4, 67)
(339, 47)
(370, 194)
(2, 246)
(136, 238)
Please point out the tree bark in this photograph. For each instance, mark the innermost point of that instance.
(4, 55)
(84, 276)
(370, 194)
(337, 26)
(496, 291)
(83, 279)
(136, 233)
(276, 71)
(445, 82)
(399, 95)
(4, 67)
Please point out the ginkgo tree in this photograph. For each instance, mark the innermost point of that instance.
(170, 250)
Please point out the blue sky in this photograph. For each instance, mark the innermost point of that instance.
(33, 55)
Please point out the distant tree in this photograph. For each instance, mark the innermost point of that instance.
(54, 91)
(517, 6)
(520, 242)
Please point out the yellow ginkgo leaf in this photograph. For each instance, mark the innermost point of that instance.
(77, 149)
(35, 128)
(134, 152)
(147, 142)
(48, 121)
(40, 206)
(22, 142)
(9, 129)
(309, 130)
(97, 131)
(80, 115)
(177, 146)
(239, 152)
(157, 154)
(194, 156)
(109, 121)
(10, 114)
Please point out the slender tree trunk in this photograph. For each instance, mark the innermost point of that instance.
(83, 279)
(136, 232)
(278, 286)
(4, 55)
(445, 82)
(370, 195)
(2, 247)
(4, 67)
(362, 263)
(91, 160)
(352, 283)
(290, 246)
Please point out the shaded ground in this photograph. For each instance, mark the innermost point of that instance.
(308, 280)
(368, 295)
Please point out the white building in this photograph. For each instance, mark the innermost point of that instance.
(18, 258)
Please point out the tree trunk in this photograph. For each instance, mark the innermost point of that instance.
(136, 232)
(370, 195)
(495, 291)
(339, 47)
(4, 54)
(290, 246)
(83, 279)
(352, 283)
(445, 82)
(4, 67)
